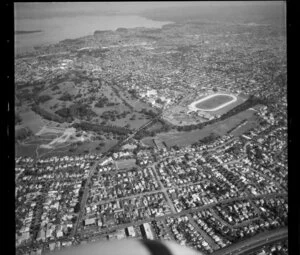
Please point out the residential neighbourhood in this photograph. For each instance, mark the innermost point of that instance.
(218, 192)
(176, 132)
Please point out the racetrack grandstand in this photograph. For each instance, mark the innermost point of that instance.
(202, 108)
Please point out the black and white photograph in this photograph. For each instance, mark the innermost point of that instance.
(151, 128)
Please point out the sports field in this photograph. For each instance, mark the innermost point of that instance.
(212, 102)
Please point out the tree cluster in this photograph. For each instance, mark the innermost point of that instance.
(133, 92)
(22, 134)
(43, 98)
(55, 87)
(66, 97)
(103, 101)
(150, 113)
(123, 100)
(80, 193)
(113, 115)
(206, 140)
(45, 114)
(76, 110)
(18, 119)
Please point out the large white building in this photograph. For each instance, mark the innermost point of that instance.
(148, 231)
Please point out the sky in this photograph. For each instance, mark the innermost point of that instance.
(50, 9)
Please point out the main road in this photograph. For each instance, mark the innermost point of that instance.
(177, 214)
(254, 243)
(91, 173)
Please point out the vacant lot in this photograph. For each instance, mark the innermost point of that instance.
(213, 102)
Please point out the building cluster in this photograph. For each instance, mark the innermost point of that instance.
(124, 211)
(186, 234)
(237, 212)
(246, 194)
(196, 195)
(46, 197)
(112, 185)
(166, 70)
(174, 172)
(280, 247)
(223, 232)
(144, 157)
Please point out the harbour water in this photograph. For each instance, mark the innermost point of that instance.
(55, 29)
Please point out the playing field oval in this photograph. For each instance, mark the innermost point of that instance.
(213, 102)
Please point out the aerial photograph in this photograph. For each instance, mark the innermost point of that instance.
(151, 123)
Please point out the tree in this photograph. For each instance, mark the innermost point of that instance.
(18, 119)
(43, 98)
(77, 208)
(66, 97)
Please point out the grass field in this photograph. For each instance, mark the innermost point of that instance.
(31, 120)
(25, 150)
(213, 102)
(154, 127)
(148, 141)
(220, 128)
(125, 163)
(31, 147)
(251, 123)
(229, 107)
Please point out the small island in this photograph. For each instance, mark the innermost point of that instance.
(28, 31)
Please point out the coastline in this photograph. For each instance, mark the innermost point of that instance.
(26, 45)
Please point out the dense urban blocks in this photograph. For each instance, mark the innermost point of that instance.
(212, 102)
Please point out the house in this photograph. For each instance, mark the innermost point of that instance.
(41, 235)
(51, 246)
(90, 221)
(39, 252)
(59, 232)
(131, 231)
